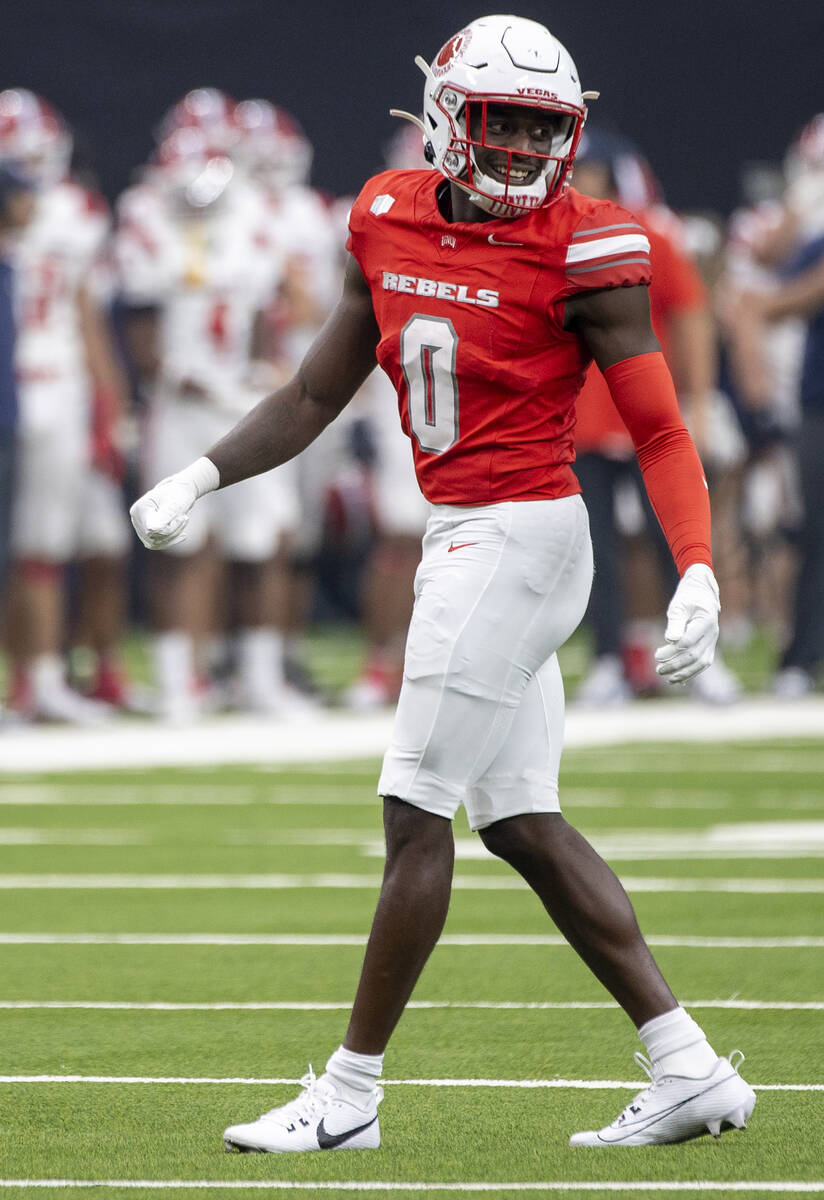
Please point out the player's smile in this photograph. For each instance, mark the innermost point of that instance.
(523, 169)
(509, 127)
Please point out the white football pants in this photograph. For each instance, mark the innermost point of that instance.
(481, 712)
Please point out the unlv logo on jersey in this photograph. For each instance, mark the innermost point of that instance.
(453, 49)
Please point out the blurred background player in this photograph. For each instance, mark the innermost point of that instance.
(65, 357)
(609, 167)
(800, 295)
(16, 210)
(763, 365)
(274, 150)
(198, 267)
(276, 153)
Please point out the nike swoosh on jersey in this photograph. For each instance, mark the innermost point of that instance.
(328, 1141)
(460, 546)
(493, 241)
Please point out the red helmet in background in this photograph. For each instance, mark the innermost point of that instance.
(271, 145)
(34, 135)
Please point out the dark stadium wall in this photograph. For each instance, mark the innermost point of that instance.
(703, 86)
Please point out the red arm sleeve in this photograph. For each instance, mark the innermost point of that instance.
(644, 394)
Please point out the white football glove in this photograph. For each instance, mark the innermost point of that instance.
(160, 516)
(692, 626)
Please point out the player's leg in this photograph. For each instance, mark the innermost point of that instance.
(604, 683)
(590, 907)
(410, 915)
(339, 1110)
(180, 598)
(53, 458)
(805, 653)
(587, 902)
(400, 514)
(179, 608)
(252, 519)
(497, 590)
(100, 627)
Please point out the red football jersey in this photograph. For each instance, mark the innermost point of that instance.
(471, 322)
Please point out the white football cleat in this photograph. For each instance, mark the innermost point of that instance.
(674, 1108)
(320, 1119)
(792, 683)
(605, 684)
(715, 685)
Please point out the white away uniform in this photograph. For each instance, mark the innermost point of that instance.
(209, 274)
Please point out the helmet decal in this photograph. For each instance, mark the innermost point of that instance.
(454, 48)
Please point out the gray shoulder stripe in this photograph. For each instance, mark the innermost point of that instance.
(607, 228)
(606, 266)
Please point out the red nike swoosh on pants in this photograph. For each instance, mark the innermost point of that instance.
(460, 546)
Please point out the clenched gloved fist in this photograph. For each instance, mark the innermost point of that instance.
(160, 516)
(692, 626)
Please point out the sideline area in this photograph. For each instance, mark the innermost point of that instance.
(328, 735)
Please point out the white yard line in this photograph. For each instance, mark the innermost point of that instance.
(478, 883)
(274, 1185)
(336, 1006)
(529, 1084)
(782, 1187)
(72, 837)
(335, 735)
(684, 941)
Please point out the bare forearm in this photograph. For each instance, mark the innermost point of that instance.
(801, 298)
(274, 431)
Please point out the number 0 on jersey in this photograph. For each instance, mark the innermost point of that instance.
(429, 348)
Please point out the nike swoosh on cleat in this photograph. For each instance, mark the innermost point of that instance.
(329, 1141)
(460, 546)
(638, 1127)
(493, 241)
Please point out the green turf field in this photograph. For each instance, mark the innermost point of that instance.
(172, 940)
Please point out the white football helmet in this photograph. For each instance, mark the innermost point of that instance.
(206, 109)
(501, 60)
(34, 135)
(189, 170)
(271, 145)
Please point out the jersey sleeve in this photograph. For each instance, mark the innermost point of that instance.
(607, 248)
(374, 199)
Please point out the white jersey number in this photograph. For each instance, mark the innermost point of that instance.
(428, 351)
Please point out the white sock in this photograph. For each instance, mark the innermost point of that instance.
(47, 675)
(677, 1045)
(260, 661)
(355, 1074)
(173, 655)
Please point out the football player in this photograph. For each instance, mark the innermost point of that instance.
(275, 151)
(801, 295)
(197, 267)
(64, 356)
(485, 288)
(16, 211)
